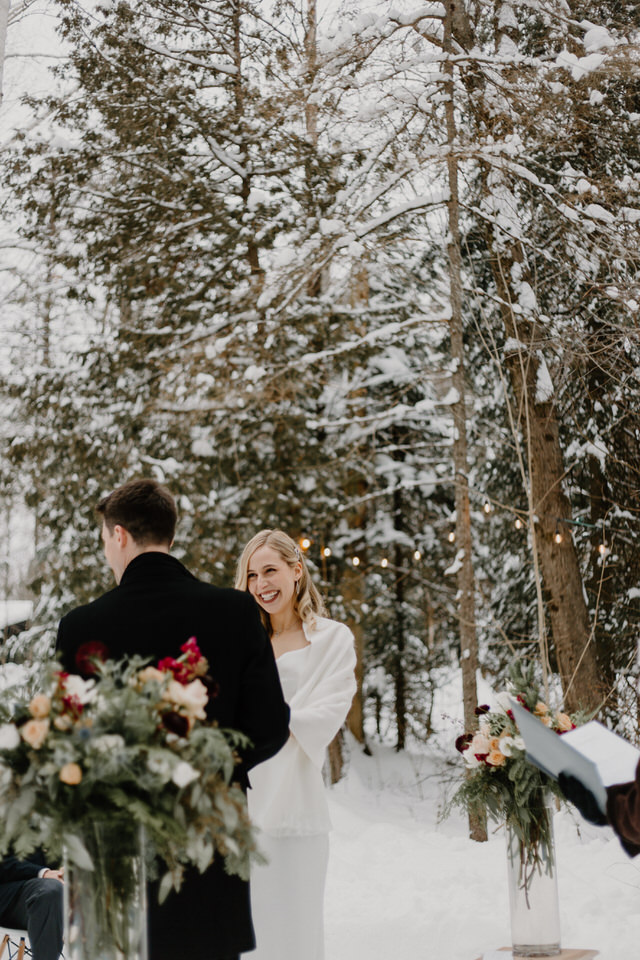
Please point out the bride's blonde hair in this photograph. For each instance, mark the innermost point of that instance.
(307, 602)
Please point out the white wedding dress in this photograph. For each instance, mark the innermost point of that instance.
(288, 801)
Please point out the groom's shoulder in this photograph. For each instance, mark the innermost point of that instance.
(229, 597)
(94, 608)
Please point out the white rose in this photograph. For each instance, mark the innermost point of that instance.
(108, 743)
(160, 765)
(83, 690)
(9, 736)
(183, 774)
(506, 743)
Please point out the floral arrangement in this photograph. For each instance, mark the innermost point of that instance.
(131, 742)
(500, 782)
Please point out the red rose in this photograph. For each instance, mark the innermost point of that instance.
(176, 723)
(89, 654)
(482, 709)
(463, 741)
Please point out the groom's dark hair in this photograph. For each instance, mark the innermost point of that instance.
(144, 508)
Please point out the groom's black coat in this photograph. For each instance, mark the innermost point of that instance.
(157, 606)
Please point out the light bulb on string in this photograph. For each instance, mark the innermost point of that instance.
(603, 550)
(451, 537)
(384, 562)
(326, 551)
(355, 561)
(417, 555)
(557, 535)
(487, 507)
(518, 523)
(305, 543)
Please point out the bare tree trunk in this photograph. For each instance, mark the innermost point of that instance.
(465, 574)
(336, 757)
(352, 593)
(257, 273)
(353, 583)
(565, 606)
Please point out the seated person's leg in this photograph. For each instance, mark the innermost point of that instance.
(38, 909)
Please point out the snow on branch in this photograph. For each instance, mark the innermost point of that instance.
(383, 333)
(183, 57)
(435, 198)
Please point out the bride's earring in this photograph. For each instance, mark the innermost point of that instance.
(297, 587)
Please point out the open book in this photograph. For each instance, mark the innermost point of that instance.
(593, 754)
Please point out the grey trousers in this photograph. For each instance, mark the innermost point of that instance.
(38, 909)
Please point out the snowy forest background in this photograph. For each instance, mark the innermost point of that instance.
(365, 271)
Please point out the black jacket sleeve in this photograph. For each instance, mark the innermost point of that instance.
(623, 811)
(12, 869)
(262, 712)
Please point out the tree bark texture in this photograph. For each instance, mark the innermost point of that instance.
(465, 573)
(566, 605)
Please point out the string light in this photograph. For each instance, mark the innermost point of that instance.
(488, 508)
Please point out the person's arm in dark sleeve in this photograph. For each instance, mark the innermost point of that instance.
(262, 712)
(623, 813)
(12, 869)
(623, 808)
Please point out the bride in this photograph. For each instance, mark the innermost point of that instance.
(316, 662)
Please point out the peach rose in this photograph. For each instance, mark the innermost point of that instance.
(563, 722)
(71, 773)
(151, 673)
(40, 706)
(35, 732)
(193, 697)
(63, 722)
(496, 758)
(480, 744)
(541, 709)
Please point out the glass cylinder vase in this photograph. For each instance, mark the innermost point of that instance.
(105, 907)
(533, 898)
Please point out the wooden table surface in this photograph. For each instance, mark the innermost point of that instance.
(563, 955)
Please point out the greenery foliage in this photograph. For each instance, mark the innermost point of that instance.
(230, 272)
(134, 746)
(500, 782)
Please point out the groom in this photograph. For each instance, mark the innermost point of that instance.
(156, 606)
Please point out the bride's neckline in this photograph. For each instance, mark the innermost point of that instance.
(296, 650)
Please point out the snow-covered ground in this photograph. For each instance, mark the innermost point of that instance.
(403, 885)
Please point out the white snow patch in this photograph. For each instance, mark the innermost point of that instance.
(14, 611)
(402, 883)
(330, 228)
(597, 212)
(597, 38)
(544, 385)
